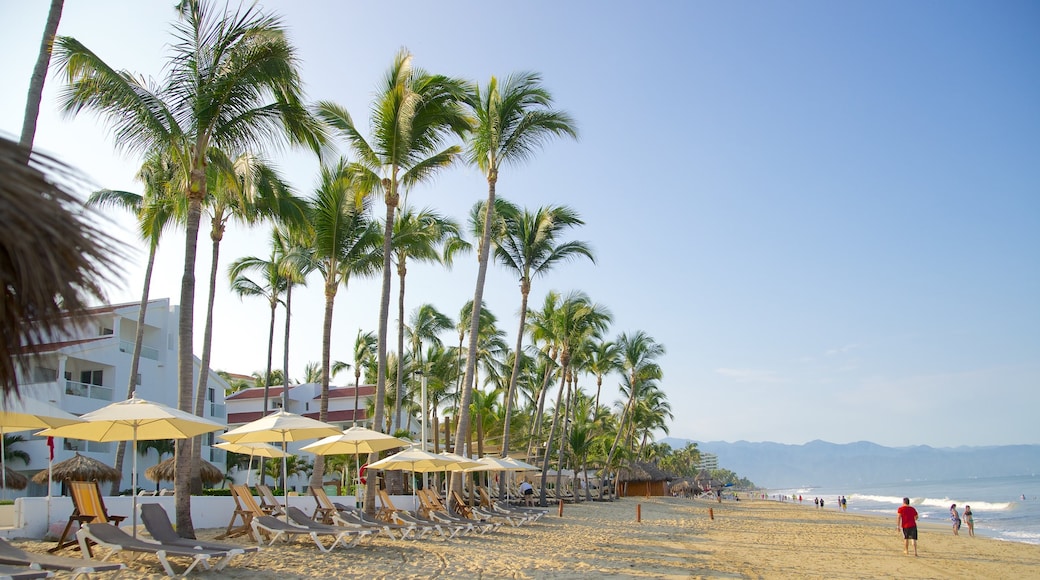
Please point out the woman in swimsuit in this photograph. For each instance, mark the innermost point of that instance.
(969, 519)
(956, 518)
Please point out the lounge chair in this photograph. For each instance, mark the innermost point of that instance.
(87, 506)
(15, 556)
(241, 511)
(324, 511)
(19, 573)
(464, 509)
(268, 502)
(116, 540)
(446, 530)
(529, 514)
(348, 516)
(157, 522)
(439, 512)
(298, 517)
(277, 529)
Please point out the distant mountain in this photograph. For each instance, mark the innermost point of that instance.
(819, 463)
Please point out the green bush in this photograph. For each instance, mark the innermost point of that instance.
(217, 492)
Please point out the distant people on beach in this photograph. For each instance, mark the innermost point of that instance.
(969, 520)
(527, 490)
(956, 519)
(906, 520)
(816, 501)
(844, 504)
(821, 503)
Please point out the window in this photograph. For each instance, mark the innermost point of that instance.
(91, 377)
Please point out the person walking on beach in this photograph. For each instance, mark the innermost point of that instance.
(956, 519)
(969, 520)
(528, 492)
(906, 520)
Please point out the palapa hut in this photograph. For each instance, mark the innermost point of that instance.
(643, 479)
(78, 468)
(14, 480)
(164, 471)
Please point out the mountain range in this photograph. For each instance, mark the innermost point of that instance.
(819, 463)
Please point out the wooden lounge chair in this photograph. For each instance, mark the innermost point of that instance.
(348, 516)
(157, 522)
(298, 517)
(15, 556)
(277, 529)
(440, 512)
(20, 573)
(268, 502)
(117, 541)
(447, 531)
(529, 514)
(87, 506)
(325, 510)
(243, 512)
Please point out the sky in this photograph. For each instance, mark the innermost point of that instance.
(828, 213)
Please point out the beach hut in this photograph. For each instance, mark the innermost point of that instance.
(643, 479)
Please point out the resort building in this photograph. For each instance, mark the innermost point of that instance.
(88, 367)
(709, 462)
(248, 404)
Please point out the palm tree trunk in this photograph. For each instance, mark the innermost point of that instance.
(391, 199)
(285, 348)
(525, 288)
(135, 360)
(185, 337)
(621, 430)
(357, 382)
(548, 447)
(563, 437)
(207, 350)
(326, 356)
(270, 357)
(39, 76)
(536, 425)
(401, 271)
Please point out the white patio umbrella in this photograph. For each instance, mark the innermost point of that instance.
(459, 462)
(135, 420)
(414, 460)
(22, 414)
(251, 449)
(355, 441)
(284, 427)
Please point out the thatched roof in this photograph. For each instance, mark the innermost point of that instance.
(164, 471)
(640, 471)
(79, 468)
(46, 285)
(14, 480)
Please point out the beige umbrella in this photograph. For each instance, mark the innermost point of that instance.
(251, 449)
(284, 427)
(165, 471)
(355, 441)
(23, 414)
(78, 468)
(135, 420)
(414, 460)
(459, 462)
(14, 480)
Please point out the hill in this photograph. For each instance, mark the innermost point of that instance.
(819, 463)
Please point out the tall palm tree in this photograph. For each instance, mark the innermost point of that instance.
(345, 244)
(297, 261)
(576, 319)
(39, 75)
(639, 354)
(154, 211)
(364, 355)
(413, 116)
(232, 83)
(604, 357)
(424, 236)
(530, 247)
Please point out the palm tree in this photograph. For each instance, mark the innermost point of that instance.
(364, 356)
(603, 359)
(576, 319)
(161, 446)
(11, 453)
(639, 354)
(154, 211)
(413, 116)
(232, 84)
(345, 244)
(530, 248)
(297, 262)
(512, 122)
(419, 235)
(39, 75)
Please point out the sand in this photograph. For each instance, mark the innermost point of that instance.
(675, 539)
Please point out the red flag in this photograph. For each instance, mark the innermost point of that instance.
(50, 445)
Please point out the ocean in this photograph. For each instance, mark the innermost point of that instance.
(1005, 508)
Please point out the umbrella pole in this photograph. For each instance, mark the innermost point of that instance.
(3, 459)
(249, 470)
(133, 479)
(285, 479)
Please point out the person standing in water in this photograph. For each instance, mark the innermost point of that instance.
(969, 520)
(955, 517)
(906, 520)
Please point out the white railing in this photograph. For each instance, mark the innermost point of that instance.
(91, 446)
(146, 351)
(218, 411)
(217, 457)
(87, 390)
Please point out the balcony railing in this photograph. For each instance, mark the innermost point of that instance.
(146, 351)
(217, 456)
(89, 391)
(218, 411)
(91, 446)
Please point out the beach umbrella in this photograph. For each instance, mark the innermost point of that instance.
(14, 480)
(258, 449)
(355, 441)
(460, 462)
(78, 468)
(22, 414)
(414, 460)
(519, 465)
(284, 427)
(165, 471)
(135, 420)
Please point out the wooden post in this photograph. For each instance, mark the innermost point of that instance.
(561, 509)
(711, 514)
(639, 512)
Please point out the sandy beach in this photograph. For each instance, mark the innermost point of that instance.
(675, 539)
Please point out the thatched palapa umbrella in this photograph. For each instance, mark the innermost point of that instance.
(165, 471)
(79, 468)
(14, 480)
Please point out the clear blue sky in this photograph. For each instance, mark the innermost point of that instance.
(829, 213)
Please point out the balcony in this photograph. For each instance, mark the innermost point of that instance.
(217, 456)
(218, 411)
(87, 390)
(89, 446)
(146, 351)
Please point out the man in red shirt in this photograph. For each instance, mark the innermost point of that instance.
(906, 519)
